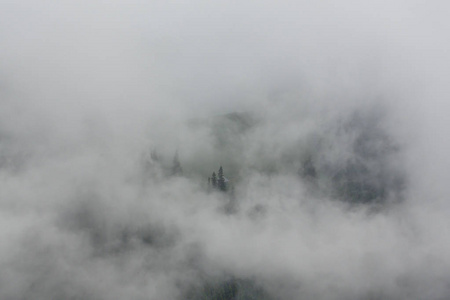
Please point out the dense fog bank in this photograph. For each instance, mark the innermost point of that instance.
(328, 119)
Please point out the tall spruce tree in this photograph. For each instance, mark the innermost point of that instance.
(214, 179)
(221, 180)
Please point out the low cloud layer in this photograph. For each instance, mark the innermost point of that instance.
(329, 120)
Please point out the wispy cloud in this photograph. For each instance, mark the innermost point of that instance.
(329, 120)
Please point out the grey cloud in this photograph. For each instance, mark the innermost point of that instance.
(329, 120)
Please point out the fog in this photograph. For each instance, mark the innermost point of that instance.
(328, 118)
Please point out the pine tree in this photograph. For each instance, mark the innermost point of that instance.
(221, 180)
(214, 179)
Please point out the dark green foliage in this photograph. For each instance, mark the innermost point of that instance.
(218, 181)
(224, 291)
(232, 289)
(221, 180)
(357, 183)
(368, 175)
(214, 179)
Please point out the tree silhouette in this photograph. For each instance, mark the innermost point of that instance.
(221, 180)
(214, 179)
